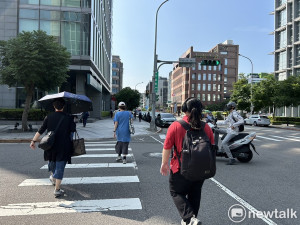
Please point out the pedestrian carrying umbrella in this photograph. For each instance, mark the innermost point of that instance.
(74, 103)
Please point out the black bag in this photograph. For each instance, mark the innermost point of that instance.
(241, 127)
(48, 140)
(198, 157)
(78, 146)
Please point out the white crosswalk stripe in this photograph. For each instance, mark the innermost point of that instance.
(272, 139)
(82, 205)
(291, 139)
(95, 165)
(82, 180)
(22, 209)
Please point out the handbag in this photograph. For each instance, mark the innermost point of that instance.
(131, 127)
(78, 146)
(48, 140)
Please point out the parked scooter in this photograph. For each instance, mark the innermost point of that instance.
(240, 146)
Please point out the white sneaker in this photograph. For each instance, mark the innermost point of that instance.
(183, 223)
(194, 221)
(119, 158)
(59, 193)
(124, 161)
(52, 180)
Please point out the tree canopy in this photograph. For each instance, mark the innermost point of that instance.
(130, 97)
(33, 59)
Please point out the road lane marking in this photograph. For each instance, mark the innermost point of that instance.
(85, 206)
(243, 202)
(83, 180)
(103, 149)
(272, 139)
(98, 156)
(162, 136)
(291, 139)
(99, 144)
(95, 165)
(157, 140)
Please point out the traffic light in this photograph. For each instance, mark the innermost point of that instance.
(210, 62)
(157, 97)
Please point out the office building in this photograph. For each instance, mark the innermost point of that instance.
(117, 74)
(83, 27)
(162, 93)
(287, 45)
(210, 84)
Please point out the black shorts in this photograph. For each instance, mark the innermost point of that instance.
(122, 148)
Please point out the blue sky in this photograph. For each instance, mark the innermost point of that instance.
(184, 23)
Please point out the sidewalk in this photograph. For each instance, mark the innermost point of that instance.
(93, 131)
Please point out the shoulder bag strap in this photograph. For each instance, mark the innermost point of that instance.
(187, 127)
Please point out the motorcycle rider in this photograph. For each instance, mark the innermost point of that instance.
(233, 120)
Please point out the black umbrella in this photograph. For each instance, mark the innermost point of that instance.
(74, 103)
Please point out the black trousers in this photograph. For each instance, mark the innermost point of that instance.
(186, 195)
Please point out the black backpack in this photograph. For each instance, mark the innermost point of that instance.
(241, 127)
(198, 157)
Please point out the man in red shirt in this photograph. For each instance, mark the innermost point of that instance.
(186, 194)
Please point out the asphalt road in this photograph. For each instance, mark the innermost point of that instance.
(269, 182)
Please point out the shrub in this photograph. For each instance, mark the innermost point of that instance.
(276, 123)
(105, 113)
(16, 114)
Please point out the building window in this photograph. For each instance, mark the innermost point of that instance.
(214, 97)
(199, 66)
(225, 89)
(226, 62)
(70, 3)
(114, 73)
(203, 87)
(199, 76)
(193, 95)
(70, 36)
(209, 77)
(114, 65)
(225, 79)
(199, 96)
(219, 97)
(219, 77)
(209, 67)
(29, 14)
(204, 67)
(208, 97)
(219, 87)
(28, 25)
(50, 27)
(214, 67)
(281, 18)
(214, 77)
(209, 87)
(31, 2)
(281, 39)
(214, 87)
(225, 71)
(204, 76)
(193, 76)
(281, 63)
(193, 87)
(199, 87)
(50, 2)
(203, 98)
(220, 67)
(223, 53)
(49, 15)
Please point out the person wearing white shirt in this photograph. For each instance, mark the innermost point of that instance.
(234, 120)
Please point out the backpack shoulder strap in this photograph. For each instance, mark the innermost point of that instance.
(184, 124)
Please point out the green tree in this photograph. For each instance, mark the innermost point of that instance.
(130, 97)
(241, 93)
(33, 59)
(217, 107)
(264, 93)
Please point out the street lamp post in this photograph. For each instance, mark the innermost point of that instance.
(137, 85)
(251, 91)
(152, 123)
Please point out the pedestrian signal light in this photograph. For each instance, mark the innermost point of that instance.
(210, 62)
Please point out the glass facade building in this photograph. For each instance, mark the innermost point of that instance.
(84, 28)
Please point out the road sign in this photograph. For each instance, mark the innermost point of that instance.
(187, 62)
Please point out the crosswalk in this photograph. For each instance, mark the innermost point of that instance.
(266, 137)
(103, 150)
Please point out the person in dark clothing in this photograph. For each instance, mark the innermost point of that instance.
(61, 152)
(140, 116)
(111, 113)
(84, 116)
(148, 118)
